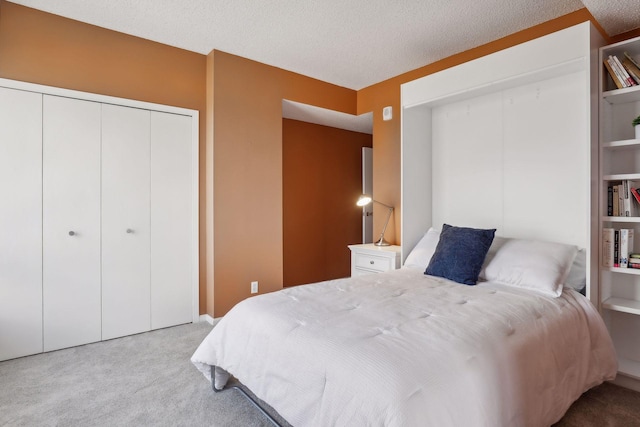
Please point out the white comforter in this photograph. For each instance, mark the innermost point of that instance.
(405, 349)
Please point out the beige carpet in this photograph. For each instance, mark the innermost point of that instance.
(148, 380)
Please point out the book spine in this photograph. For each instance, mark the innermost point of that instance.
(636, 195)
(615, 203)
(616, 248)
(634, 198)
(612, 73)
(626, 198)
(610, 201)
(620, 200)
(607, 247)
(623, 71)
(615, 69)
(630, 241)
(633, 61)
(632, 70)
(624, 248)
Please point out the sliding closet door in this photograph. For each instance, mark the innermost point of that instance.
(125, 221)
(171, 216)
(71, 222)
(20, 223)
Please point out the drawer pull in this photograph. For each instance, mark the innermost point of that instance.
(371, 262)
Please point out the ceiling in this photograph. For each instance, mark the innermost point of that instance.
(351, 43)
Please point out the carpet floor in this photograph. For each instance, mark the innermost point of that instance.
(148, 380)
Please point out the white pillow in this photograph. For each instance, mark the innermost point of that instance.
(531, 264)
(577, 278)
(421, 254)
(497, 243)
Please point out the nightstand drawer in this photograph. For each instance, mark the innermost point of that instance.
(372, 262)
(371, 259)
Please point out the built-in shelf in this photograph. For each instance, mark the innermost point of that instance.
(622, 96)
(628, 367)
(632, 271)
(623, 305)
(618, 107)
(621, 145)
(621, 177)
(621, 218)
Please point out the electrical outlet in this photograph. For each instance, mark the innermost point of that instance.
(254, 287)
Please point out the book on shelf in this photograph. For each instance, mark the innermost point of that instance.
(607, 247)
(610, 200)
(617, 73)
(626, 246)
(634, 261)
(623, 199)
(636, 194)
(633, 61)
(633, 71)
(616, 248)
(612, 73)
(620, 200)
(623, 72)
(628, 204)
(615, 205)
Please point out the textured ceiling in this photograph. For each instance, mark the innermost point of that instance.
(615, 16)
(351, 43)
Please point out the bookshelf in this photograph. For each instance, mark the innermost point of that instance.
(619, 290)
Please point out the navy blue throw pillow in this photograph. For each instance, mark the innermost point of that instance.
(460, 253)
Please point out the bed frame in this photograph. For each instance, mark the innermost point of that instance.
(233, 384)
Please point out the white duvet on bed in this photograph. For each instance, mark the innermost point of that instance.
(405, 349)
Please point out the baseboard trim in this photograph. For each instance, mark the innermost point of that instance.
(206, 318)
(627, 382)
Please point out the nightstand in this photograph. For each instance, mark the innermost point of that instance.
(370, 259)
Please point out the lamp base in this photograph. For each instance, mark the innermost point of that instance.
(382, 242)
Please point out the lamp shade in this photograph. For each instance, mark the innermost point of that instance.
(364, 200)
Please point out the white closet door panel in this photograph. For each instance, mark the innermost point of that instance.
(546, 147)
(467, 163)
(171, 218)
(20, 223)
(125, 221)
(71, 222)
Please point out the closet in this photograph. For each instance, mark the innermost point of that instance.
(98, 220)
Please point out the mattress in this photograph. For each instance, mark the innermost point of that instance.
(405, 349)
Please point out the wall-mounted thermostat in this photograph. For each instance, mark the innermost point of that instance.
(387, 113)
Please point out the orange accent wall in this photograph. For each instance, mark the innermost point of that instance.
(386, 135)
(321, 181)
(39, 47)
(248, 208)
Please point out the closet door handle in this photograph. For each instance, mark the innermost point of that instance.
(72, 233)
(129, 231)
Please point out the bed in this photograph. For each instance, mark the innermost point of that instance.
(405, 348)
(511, 147)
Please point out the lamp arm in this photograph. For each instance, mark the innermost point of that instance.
(386, 222)
(381, 241)
(380, 203)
